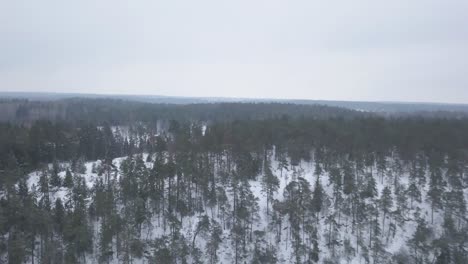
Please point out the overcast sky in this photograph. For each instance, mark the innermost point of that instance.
(398, 50)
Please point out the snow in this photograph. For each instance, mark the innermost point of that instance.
(285, 251)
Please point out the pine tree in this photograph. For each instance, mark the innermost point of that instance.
(282, 163)
(297, 197)
(420, 242)
(68, 181)
(55, 179)
(348, 178)
(436, 191)
(270, 183)
(263, 253)
(318, 197)
(414, 193)
(44, 190)
(386, 203)
(16, 247)
(59, 215)
(370, 190)
(214, 241)
(161, 251)
(203, 226)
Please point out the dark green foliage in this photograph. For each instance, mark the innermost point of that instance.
(318, 197)
(68, 180)
(420, 242)
(196, 186)
(349, 181)
(270, 183)
(55, 179)
(263, 253)
(214, 240)
(161, 251)
(414, 193)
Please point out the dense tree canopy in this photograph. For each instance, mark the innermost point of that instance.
(102, 180)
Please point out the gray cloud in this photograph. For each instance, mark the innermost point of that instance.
(348, 50)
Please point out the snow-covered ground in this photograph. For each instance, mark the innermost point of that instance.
(284, 248)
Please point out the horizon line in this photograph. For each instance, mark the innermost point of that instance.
(77, 94)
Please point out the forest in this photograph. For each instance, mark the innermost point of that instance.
(115, 181)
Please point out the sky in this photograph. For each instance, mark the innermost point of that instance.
(360, 50)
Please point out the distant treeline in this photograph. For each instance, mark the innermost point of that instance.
(74, 129)
(124, 112)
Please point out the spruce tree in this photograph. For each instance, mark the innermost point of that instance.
(68, 180)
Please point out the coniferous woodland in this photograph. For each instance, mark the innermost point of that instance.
(107, 181)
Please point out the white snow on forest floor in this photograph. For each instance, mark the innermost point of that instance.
(284, 249)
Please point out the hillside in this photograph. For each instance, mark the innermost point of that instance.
(333, 186)
(336, 242)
